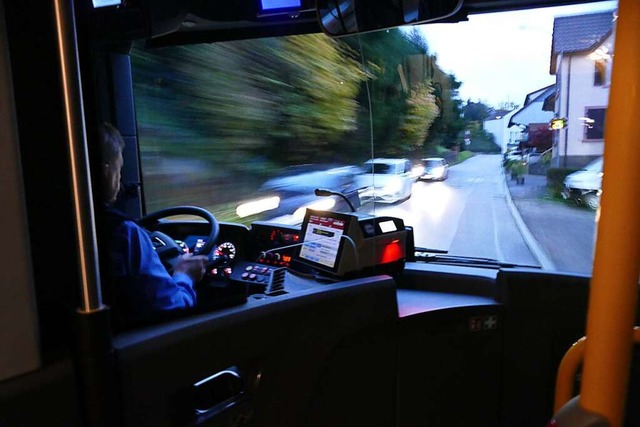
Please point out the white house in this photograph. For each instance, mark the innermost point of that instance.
(581, 59)
(498, 126)
(533, 117)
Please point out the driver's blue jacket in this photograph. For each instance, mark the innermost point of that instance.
(142, 283)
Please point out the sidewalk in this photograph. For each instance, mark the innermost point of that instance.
(559, 235)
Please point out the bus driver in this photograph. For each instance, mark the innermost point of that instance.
(140, 283)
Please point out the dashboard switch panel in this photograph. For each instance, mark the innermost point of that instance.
(259, 278)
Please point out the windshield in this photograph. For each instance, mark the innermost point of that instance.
(221, 125)
(381, 168)
(432, 163)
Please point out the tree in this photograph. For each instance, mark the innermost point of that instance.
(447, 126)
(260, 96)
(401, 91)
(422, 111)
(476, 111)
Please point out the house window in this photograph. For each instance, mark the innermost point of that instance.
(600, 72)
(594, 123)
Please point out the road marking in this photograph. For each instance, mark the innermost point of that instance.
(496, 240)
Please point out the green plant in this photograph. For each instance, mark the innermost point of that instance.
(507, 163)
(464, 155)
(555, 179)
(440, 150)
(518, 168)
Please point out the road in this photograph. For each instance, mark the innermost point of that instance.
(467, 214)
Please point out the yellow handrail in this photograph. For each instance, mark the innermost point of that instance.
(569, 367)
(614, 285)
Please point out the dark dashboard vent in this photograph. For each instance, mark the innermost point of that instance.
(276, 285)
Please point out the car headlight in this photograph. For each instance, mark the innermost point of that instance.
(438, 171)
(257, 206)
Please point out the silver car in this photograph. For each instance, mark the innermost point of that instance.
(434, 169)
(386, 180)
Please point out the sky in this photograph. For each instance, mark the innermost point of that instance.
(501, 57)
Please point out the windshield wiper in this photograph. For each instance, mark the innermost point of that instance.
(427, 255)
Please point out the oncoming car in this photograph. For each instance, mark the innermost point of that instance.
(386, 180)
(434, 169)
(286, 197)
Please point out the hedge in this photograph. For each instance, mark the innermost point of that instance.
(555, 179)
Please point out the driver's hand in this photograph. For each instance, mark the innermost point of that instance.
(192, 265)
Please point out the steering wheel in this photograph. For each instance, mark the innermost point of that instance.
(166, 247)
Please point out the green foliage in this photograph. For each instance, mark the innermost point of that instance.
(260, 96)
(518, 168)
(422, 110)
(464, 155)
(475, 111)
(449, 123)
(227, 115)
(555, 179)
(328, 77)
(507, 163)
(440, 150)
(481, 140)
(401, 90)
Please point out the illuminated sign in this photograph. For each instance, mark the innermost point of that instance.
(557, 124)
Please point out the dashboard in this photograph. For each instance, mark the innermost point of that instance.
(262, 243)
(275, 243)
(256, 260)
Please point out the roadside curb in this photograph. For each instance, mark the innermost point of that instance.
(531, 242)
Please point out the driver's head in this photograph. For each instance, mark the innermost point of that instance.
(112, 145)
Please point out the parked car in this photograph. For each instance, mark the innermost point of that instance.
(434, 169)
(286, 197)
(585, 186)
(386, 180)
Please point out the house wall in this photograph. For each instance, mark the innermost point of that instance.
(503, 135)
(575, 77)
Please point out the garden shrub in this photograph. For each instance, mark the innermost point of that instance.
(555, 179)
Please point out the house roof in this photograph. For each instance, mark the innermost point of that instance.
(533, 100)
(579, 33)
(500, 114)
(536, 94)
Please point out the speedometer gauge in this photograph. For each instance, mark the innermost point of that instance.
(225, 250)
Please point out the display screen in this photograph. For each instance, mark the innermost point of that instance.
(274, 5)
(322, 238)
(106, 3)
(388, 226)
